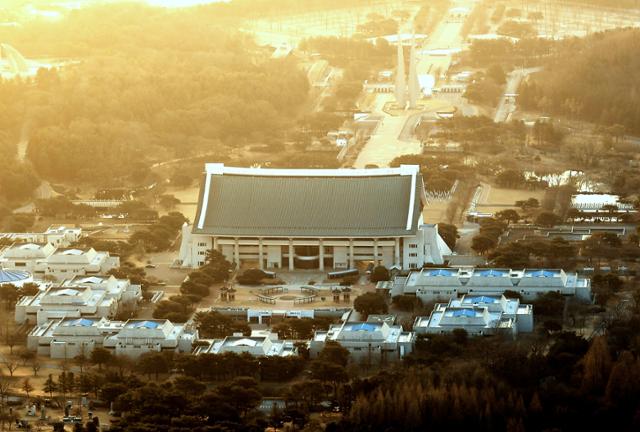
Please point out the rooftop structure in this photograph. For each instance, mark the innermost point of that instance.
(376, 342)
(57, 236)
(448, 283)
(301, 218)
(260, 343)
(68, 337)
(95, 297)
(478, 315)
(15, 277)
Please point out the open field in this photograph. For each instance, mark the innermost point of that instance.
(494, 199)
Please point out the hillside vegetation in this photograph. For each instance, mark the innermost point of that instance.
(595, 79)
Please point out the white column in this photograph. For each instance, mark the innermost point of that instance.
(351, 257)
(375, 251)
(291, 266)
(236, 252)
(215, 243)
(397, 252)
(260, 258)
(321, 250)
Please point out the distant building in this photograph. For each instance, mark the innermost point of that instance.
(375, 342)
(313, 219)
(80, 297)
(260, 343)
(449, 283)
(57, 236)
(478, 315)
(603, 207)
(45, 259)
(66, 338)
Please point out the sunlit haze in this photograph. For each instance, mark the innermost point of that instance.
(320, 215)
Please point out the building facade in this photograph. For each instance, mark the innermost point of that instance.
(371, 342)
(259, 344)
(478, 315)
(66, 338)
(444, 284)
(312, 219)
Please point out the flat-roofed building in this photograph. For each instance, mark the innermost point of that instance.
(373, 342)
(142, 336)
(66, 338)
(66, 263)
(443, 284)
(312, 219)
(30, 257)
(478, 315)
(80, 297)
(57, 236)
(259, 344)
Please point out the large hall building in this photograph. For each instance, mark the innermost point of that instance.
(323, 219)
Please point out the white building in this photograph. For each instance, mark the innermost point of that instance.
(449, 283)
(58, 236)
(67, 338)
(65, 263)
(80, 297)
(45, 260)
(312, 219)
(30, 257)
(259, 344)
(477, 315)
(141, 336)
(374, 342)
(592, 206)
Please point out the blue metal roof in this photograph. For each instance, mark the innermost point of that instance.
(480, 299)
(9, 276)
(81, 322)
(442, 272)
(145, 324)
(364, 327)
(543, 273)
(470, 313)
(492, 273)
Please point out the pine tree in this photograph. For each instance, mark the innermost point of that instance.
(597, 364)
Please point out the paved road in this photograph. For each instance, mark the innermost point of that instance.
(393, 136)
(507, 105)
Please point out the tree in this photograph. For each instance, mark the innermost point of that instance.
(50, 386)
(11, 366)
(508, 215)
(380, 273)
(496, 73)
(153, 363)
(27, 388)
(597, 365)
(213, 324)
(370, 303)
(482, 244)
(529, 204)
(547, 219)
(449, 234)
(217, 266)
(100, 356)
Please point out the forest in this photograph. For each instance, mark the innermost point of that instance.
(593, 79)
(186, 87)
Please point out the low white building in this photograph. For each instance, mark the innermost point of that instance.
(373, 342)
(67, 338)
(65, 263)
(45, 260)
(259, 344)
(81, 297)
(57, 236)
(312, 219)
(142, 336)
(478, 315)
(598, 206)
(443, 284)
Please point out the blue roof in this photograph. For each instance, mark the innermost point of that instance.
(81, 322)
(492, 273)
(480, 299)
(543, 273)
(464, 312)
(145, 324)
(8, 276)
(442, 272)
(364, 327)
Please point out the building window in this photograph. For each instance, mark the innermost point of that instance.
(201, 253)
(413, 246)
(413, 265)
(20, 264)
(202, 244)
(413, 254)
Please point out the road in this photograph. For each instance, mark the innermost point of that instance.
(507, 105)
(393, 136)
